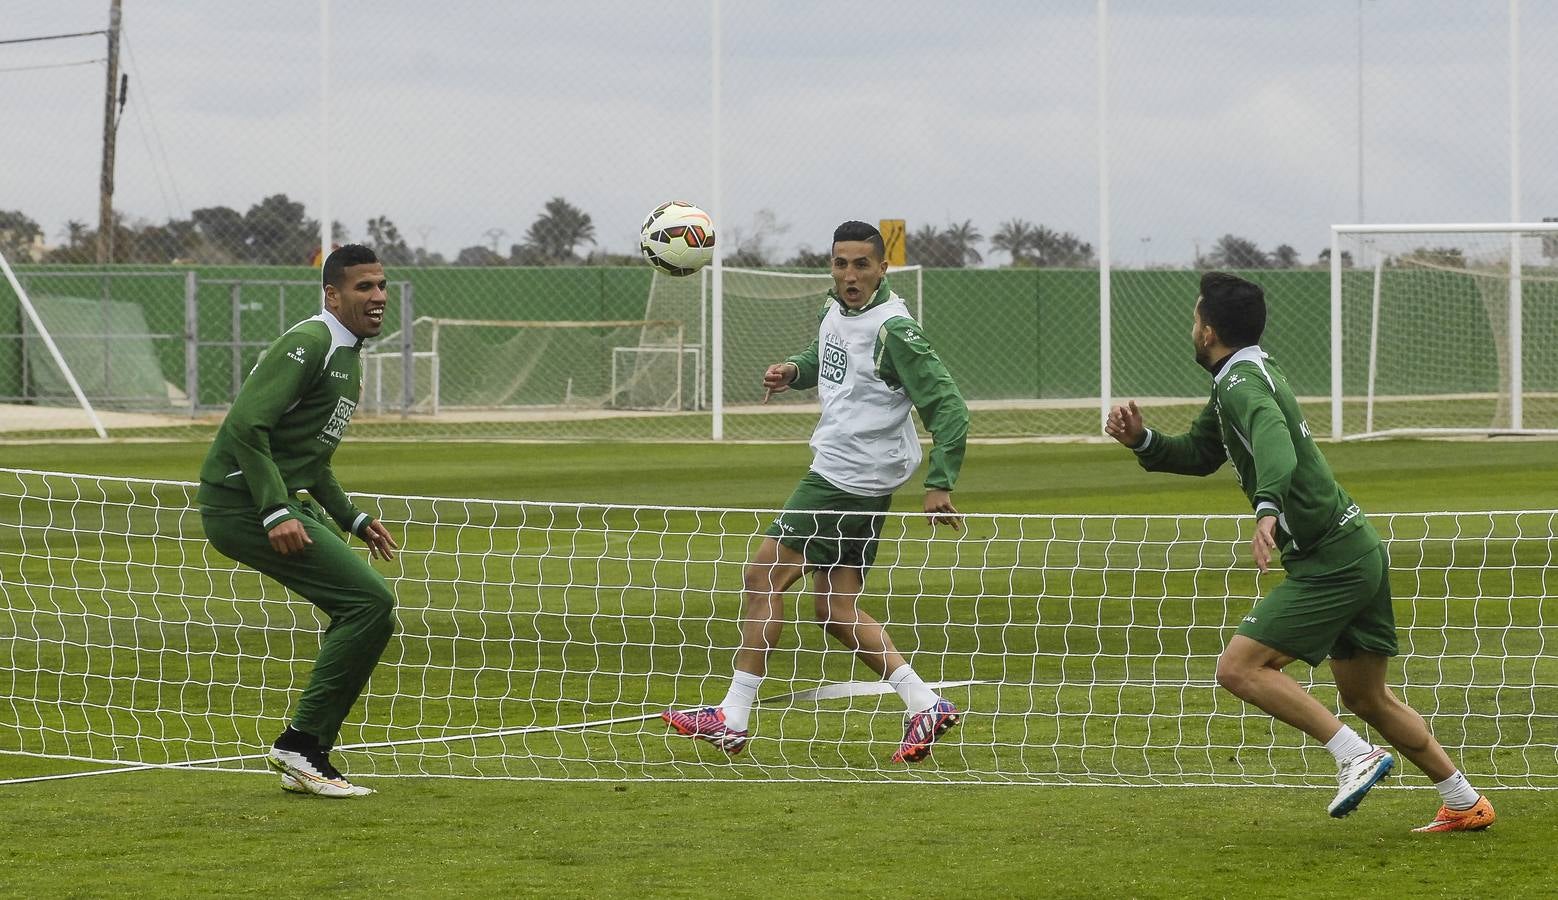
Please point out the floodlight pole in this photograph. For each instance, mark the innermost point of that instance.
(1516, 289)
(326, 225)
(1105, 300)
(717, 277)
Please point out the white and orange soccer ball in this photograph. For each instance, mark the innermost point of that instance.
(677, 238)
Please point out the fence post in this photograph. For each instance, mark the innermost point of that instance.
(237, 299)
(191, 342)
(408, 367)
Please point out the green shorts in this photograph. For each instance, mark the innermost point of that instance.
(1337, 613)
(819, 523)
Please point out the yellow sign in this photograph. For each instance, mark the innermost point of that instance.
(892, 236)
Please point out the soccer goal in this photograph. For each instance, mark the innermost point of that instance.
(533, 367)
(543, 640)
(1444, 329)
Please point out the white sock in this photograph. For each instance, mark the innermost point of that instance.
(1457, 792)
(917, 696)
(1346, 744)
(739, 699)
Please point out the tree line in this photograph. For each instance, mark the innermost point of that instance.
(278, 231)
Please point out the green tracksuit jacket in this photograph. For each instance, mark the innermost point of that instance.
(284, 426)
(1253, 421)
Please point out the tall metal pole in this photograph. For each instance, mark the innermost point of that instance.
(1360, 219)
(326, 224)
(105, 184)
(717, 277)
(1516, 288)
(1105, 325)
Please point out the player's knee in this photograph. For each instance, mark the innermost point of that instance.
(1233, 675)
(758, 578)
(1368, 703)
(379, 611)
(762, 606)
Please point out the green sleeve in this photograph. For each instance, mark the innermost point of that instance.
(806, 362)
(904, 357)
(806, 367)
(330, 496)
(275, 385)
(1198, 451)
(1253, 412)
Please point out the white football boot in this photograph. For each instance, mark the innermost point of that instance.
(312, 773)
(1357, 775)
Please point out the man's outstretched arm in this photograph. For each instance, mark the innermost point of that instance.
(1199, 451)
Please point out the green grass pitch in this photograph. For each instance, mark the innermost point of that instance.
(203, 833)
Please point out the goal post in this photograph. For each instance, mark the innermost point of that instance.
(1444, 329)
(542, 641)
(58, 358)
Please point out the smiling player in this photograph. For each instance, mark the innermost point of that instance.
(277, 439)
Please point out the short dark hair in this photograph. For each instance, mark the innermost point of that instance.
(1235, 308)
(343, 258)
(861, 231)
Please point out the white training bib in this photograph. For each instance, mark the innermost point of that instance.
(865, 441)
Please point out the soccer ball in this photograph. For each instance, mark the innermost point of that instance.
(677, 238)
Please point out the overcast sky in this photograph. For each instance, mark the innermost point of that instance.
(461, 117)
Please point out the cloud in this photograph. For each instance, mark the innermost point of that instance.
(456, 118)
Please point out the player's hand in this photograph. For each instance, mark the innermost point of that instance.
(940, 511)
(1264, 542)
(379, 540)
(1124, 424)
(289, 537)
(777, 379)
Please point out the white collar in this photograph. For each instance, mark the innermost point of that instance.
(340, 335)
(1252, 353)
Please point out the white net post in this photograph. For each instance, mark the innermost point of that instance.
(54, 351)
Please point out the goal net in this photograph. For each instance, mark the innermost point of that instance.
(1444, 329)
(543, 640)
(447, 366)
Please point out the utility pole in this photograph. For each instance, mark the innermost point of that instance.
(105, 205)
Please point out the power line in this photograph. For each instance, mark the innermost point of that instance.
(150, 116)
(84, 62)
(51, 37)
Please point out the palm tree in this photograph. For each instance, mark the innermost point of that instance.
(1061, 249)
(558, 230)
(1016, 238)
(961, 240)
(1234, 252)
(928, 246)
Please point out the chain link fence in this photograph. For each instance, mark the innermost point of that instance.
(1049, 162)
